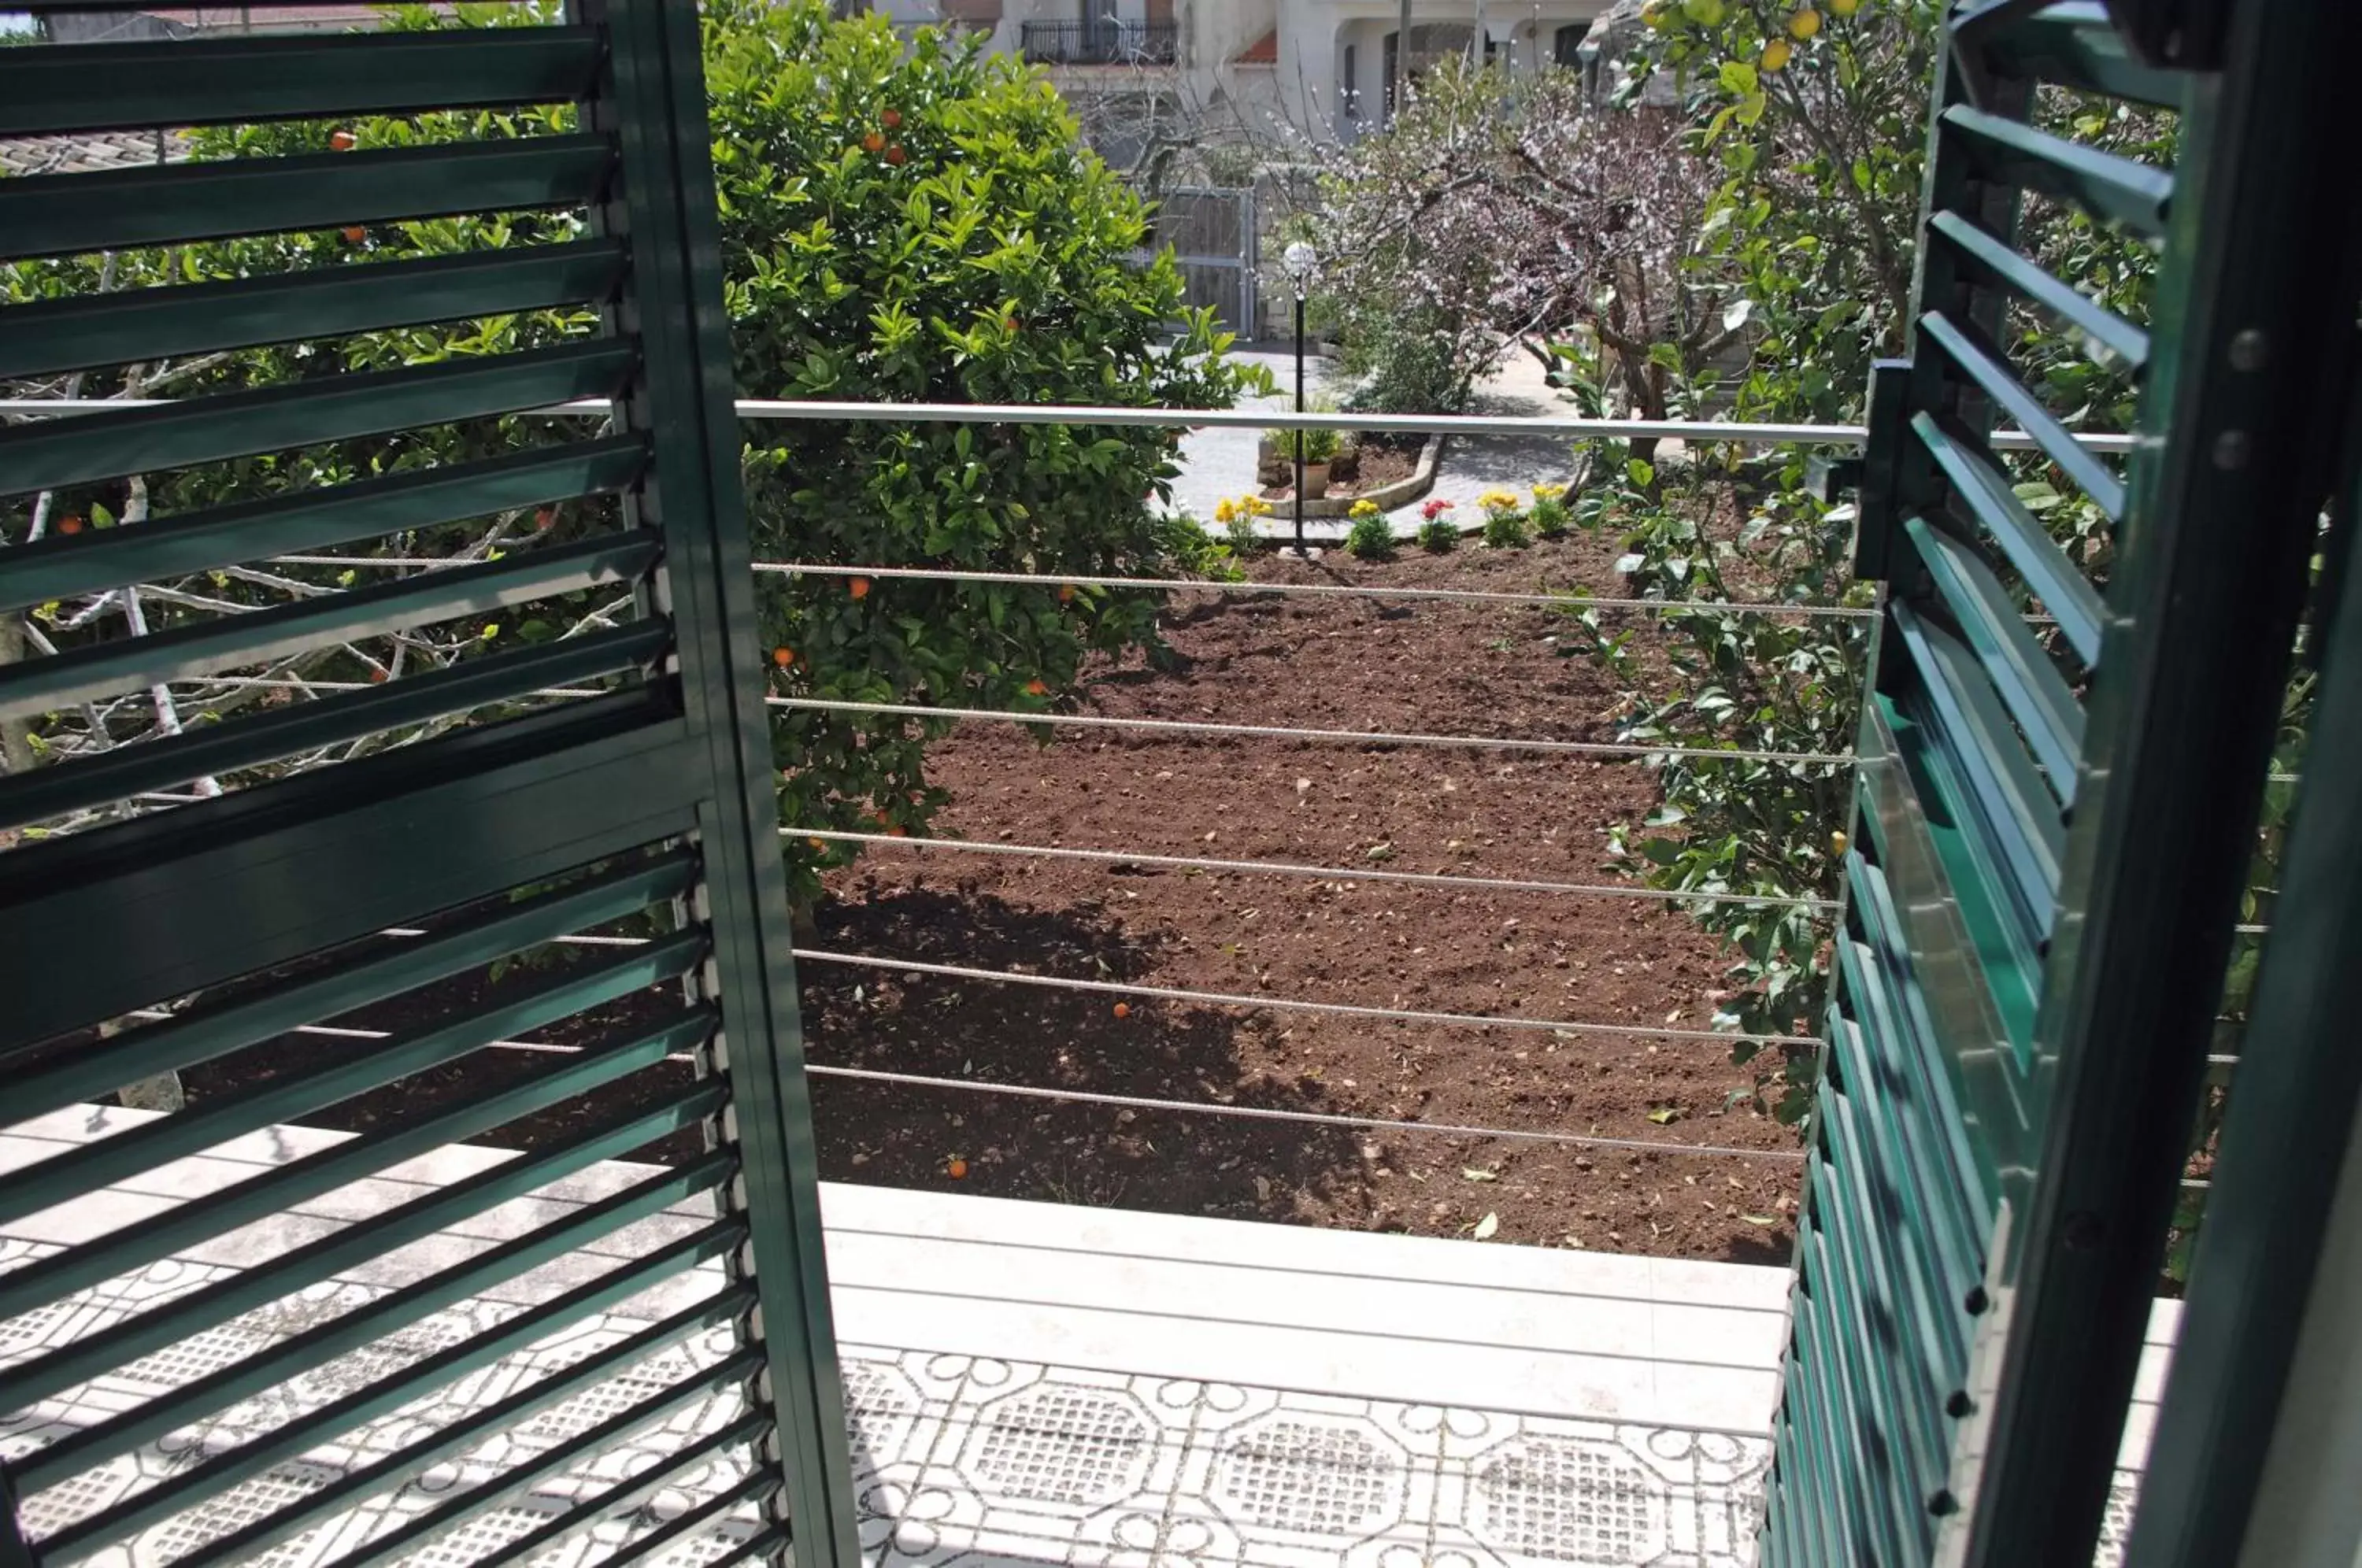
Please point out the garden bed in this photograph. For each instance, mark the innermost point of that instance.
(1335, 664)
(1332, 664)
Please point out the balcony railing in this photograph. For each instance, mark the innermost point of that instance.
(1100, 43)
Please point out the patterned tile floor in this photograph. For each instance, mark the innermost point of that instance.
(957, 1458)
(1581, 1411)
(966, 1460)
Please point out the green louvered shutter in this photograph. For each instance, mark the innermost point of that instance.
(2054, 815)
(565, 832)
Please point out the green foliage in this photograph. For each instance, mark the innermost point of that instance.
(1505, 524)
(1406, 361)
(1743, 680)
(1820, 142)
(1371, 537)
(901, 220)
(1437, 535)
(1551, 515)
(920, 223)
(1315, 445)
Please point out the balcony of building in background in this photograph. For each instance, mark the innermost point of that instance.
(1100, 43)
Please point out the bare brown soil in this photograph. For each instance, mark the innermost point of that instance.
(1607, 963)
(1331, 664)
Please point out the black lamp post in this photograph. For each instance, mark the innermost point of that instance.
(1300, 261)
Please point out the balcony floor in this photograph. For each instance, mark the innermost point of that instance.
(1028, 1383)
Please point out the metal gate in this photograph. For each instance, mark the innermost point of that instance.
(1213, 237)
(2054, 813)
(181, 897)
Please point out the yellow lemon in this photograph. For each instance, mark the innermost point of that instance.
(1844, 7)
(1775, 55)
(1837, 841)
(1805, 23)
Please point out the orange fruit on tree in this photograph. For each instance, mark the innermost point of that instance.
(955, 1169)
(820, 844)
(1805, 23)
(858, 588)
(343, 140)
(69, 524)
(783, 655)
(896, 156)
(1844, 7)
(355, 234)
(1065, 593)
(873, 142)
(897, 830)
(1124, 1010)
(377, 675)
(1036, 688)
(1775, 55)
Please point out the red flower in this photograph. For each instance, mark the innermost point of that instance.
(1434, 509)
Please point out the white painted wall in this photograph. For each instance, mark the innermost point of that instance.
(1307, 87)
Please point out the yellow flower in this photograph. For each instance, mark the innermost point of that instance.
(1224, 511)
(1805, 23)
(1497, 501)
(1775, 55)
(1364, 508)
(1258, 506)
(1549, 491)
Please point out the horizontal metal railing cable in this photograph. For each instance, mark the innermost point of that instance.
(1313, 1118)
(1715, 431)
(1292, 1004)
(1319, 873)
(1348, 738)
(1567, 599)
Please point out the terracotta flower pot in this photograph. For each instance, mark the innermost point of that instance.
(1316, 480)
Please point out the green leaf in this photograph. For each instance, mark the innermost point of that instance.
(1737, 77)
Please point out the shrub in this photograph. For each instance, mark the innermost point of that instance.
(1550, 514)
(918, 221)
(1238, 521)
(1371, 537)
(1437, 532)
(1504, 525)
(1410, 361)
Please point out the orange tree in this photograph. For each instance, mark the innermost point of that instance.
(901, 223)
(918, 222)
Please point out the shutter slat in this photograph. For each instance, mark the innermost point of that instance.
(226, 80)
(305, 521)
(1989, 502)
(88, 449)
(259, 1105)
(1994, 262)
(230, 642)
(2029, 685)
(121, 209)
(2112, 189)
(1996, 380)
(84, 331)
(318, 1261)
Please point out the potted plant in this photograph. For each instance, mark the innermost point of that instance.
(1319, 446)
